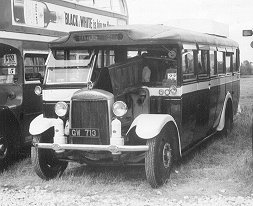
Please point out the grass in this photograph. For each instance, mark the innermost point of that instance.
(220, 164)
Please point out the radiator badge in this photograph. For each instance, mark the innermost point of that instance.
(90, 85)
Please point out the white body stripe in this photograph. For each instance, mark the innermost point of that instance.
(58, 94)
(196, 86)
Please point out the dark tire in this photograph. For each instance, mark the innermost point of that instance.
(5, 152)
(158, 159)
(45, 163)
(228, 123)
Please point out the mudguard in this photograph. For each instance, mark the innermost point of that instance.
(222, 117)
(150, 125)
(41, 124)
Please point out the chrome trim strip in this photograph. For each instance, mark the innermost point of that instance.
(82, 147)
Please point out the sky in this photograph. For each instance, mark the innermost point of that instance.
(235, 14)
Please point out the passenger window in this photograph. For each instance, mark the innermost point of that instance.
(188, 65)
(34, 66)
(202, 63)
(220, 62)
(213, 70)
(228, 62)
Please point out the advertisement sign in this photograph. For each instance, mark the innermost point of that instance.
(49, 16)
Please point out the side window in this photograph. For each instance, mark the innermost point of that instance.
(202, 62)
(188, 65)
(34, 66)
(220, 62)
(228, 62)
(213, 70)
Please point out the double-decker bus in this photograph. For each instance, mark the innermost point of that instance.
(26, 27)
(143, 94)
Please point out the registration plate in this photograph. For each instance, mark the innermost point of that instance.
(84, 132)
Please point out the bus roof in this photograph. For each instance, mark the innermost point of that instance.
(141, 34)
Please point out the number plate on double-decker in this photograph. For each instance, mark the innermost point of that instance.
(84, 132)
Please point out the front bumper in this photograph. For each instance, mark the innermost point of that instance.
(114, 149)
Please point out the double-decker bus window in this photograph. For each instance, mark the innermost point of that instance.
(220, 62)
(188, 65)
(8, 68)
(118, 6)
(213, 70)
(229, 62)
(34, 66)
(202, 62)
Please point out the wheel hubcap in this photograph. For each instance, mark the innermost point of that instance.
(3, 147)
(166, 155)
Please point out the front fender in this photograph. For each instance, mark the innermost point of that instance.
(41, 124)
(150, 125)
(222, 116)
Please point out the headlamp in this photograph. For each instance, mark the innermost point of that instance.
(61, 109)
(119, 108)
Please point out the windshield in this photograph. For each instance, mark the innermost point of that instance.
(8, 64)
(72, 67)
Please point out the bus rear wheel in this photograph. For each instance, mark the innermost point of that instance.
(45, 163)
(158, 160)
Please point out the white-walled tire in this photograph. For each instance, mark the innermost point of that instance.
(158, 159)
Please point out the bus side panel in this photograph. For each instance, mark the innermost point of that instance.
(221, 97)
(236, 91)
(214, 91)
(189, 111)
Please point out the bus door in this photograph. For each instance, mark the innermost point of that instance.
(34, 69)
(214, 89)
(203, 94)
(221, 84)
(189, 98)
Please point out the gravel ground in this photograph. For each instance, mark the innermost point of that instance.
(40, 196)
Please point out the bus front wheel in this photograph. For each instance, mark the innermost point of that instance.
(45, 163)
(158, 160)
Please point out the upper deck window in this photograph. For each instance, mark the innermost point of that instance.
(117, 6)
